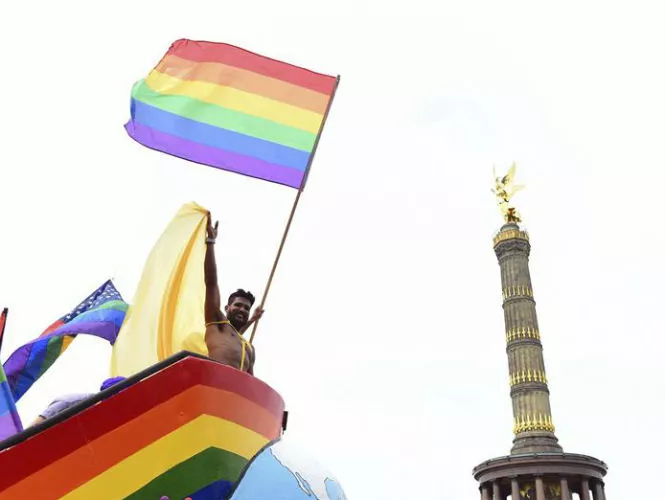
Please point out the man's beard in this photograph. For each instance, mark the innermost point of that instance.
(237, 322)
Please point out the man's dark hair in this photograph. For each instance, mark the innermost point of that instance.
(242, 294)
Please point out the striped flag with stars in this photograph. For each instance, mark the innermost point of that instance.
(101, 314)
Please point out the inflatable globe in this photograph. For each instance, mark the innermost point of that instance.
(283, 472)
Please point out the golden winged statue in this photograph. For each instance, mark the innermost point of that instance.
(504, 190)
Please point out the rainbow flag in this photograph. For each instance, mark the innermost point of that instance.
(101, 314)
(223, 106)
(10, 421)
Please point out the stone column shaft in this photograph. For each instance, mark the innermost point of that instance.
(496, 492)
(515, 489)
(565, 492)
(484, 493)
(599, 491)
(540, 489)
(584, 490)
(533, 427)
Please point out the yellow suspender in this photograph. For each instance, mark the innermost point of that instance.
(243, 341)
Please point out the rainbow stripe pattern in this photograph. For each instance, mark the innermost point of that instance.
(226, 107)
(10, 421)
(100, 314)
(190, 430)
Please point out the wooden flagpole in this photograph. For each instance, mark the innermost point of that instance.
(293, 208)
(3, 324)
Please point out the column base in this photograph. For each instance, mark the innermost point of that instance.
(535, 443)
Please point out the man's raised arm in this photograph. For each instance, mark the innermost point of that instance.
(213, 309)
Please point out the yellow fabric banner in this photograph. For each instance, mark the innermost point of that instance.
(167, 314)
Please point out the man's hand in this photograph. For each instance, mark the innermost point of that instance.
(256, 315)
(212, 230)
(213, 301)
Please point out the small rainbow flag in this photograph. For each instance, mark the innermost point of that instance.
(10, 421)
(222, 106)
(100, 314)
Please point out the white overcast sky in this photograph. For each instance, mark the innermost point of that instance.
(384, 329)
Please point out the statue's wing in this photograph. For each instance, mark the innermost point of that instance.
(515, 189)
(508, 179)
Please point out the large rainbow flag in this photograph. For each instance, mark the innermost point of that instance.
(100, 314)
(226, 107)
(10, 421)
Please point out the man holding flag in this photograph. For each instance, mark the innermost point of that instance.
(232, 109)
(223, 334)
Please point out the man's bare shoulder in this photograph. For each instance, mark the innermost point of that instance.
(218, 329)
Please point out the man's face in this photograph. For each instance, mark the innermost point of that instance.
(238, 311)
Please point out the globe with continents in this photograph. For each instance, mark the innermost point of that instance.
(283, 472)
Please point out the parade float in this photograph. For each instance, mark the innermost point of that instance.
(177, 425)
(186, 427)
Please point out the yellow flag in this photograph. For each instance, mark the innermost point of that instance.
(167, 314)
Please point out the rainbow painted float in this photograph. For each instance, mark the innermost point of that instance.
(185, 428)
